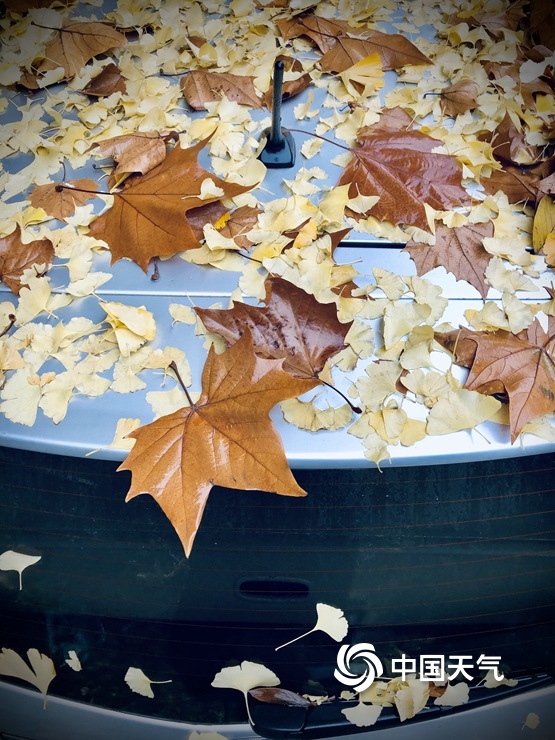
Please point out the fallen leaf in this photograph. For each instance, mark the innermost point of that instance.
(60, 200)
(200, 86)
(460, 250)
(322, 31)
(544, 222)
(366, 76)
(73, 45)
(394, 50)
(109, 81)
(140, 683)
(363, 715)
(136, 153)
(280, 696)
(238, 224)
(226, 438)
(331, 620)
(17, 257)
(402, 169)
(148, 217)
(501, 362)
(39, 672)
(73, 661)
(292, 324)
(458, 98)
(454, 696)
(245, 677)
(460, 409)
(411, 698)
(18, 561)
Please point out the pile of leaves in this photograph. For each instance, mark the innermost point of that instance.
(167, 104)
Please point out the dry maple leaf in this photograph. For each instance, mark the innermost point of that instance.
(61, 202)
(509, 142)
(401, 168)
(135, 153)
(460, 250)
(148, 217)
(458, 98)
(292, 325)
(226, 438)
(16, 257)
(238, 223)
(520, 184)
(109, 81)
(522, 366)
(322, 31)
(74, 44)
(394, 50)
(498, 23)
(200, 87)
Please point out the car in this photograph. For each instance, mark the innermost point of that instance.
(403, 585)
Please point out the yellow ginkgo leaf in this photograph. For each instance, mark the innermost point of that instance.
(331, 620)
(39, 673)
(18, 561)
(245, 677)
(140, 683)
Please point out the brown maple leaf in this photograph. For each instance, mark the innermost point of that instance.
(460, 250)
(395, 51)
(508, 142)
(521, 184)
(403, 170)
(226, 439)
(497, 23)
(238, 223)
(73, 45)
(135, 153)
(148, 217)
(109, 81)
(61, 202)
(522, 366)
(200, 87)
(322, 31)
(459, 98)
(292, 325)
(16, 257)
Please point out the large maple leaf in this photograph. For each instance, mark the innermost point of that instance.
(200, 86)
(402, 168)
(522, 366)
(394, 50)
(292, 324)
(460, 250)
(226, 438)
(74, 44)
(148, 217)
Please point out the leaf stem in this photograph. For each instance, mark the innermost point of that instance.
(285, 644)
(11, 317)
(354, 408)
(63, 186)
(173, 367)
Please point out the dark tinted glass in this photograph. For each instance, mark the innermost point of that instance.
(444, 559)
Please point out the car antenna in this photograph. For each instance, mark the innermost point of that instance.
(279, 150)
